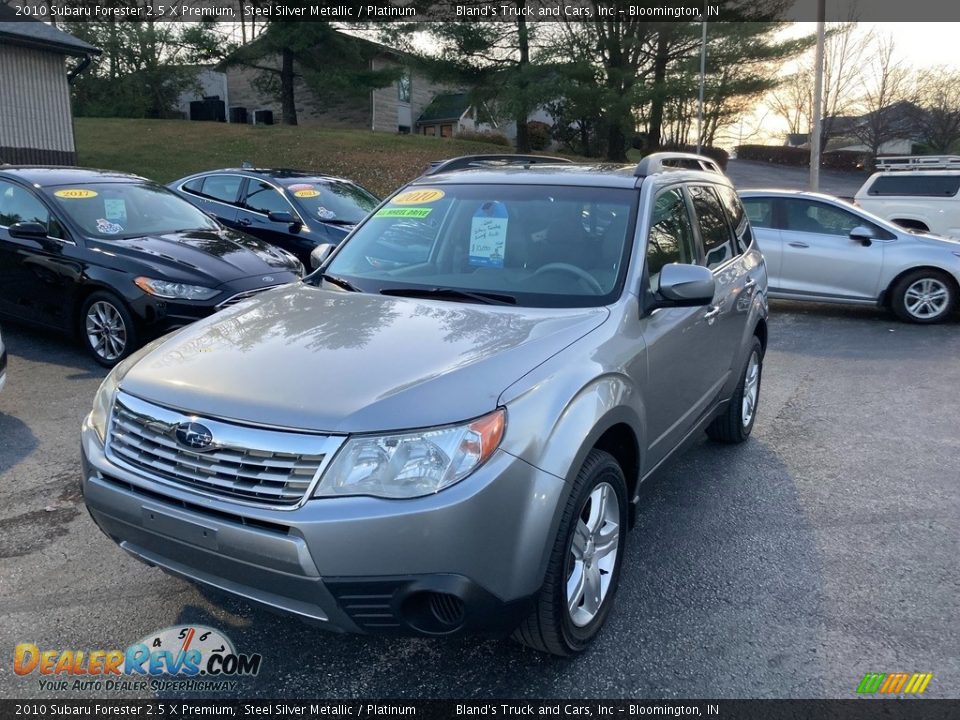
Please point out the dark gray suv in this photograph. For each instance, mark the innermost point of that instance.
(452, 442)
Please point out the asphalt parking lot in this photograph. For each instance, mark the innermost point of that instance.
(826, 547)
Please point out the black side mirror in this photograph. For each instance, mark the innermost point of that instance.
(283, 217)
(320, 253)
(682, 285)
(28, 230)
(864, 235)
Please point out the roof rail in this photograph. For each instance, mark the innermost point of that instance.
(662, 161)
(469, 161)
(918, 162)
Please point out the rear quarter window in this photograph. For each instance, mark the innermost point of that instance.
(915, 185)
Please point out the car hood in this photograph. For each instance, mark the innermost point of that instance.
(338, 362)
(946, 243)
(211, 257)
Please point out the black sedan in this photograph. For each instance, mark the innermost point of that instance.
(294, 210)
(118, 259)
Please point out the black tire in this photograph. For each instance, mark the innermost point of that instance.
(550, 627)
(729, 427)
(116, 310)
(899, 300)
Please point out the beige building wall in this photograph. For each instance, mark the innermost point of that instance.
(380, 110)
(311, 110)
(36, 125)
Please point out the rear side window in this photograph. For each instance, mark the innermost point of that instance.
(671, 235)
(715, 232)
(225, 188)
(915, 185)
(737, 217)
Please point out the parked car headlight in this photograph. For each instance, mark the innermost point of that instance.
(174, 290)
(103, 403)
(413, 464)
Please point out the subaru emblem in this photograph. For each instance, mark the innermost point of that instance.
(195, 436)
(267, 278)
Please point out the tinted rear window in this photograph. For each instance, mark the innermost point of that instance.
(916, 185)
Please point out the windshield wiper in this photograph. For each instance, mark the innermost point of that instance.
(448, 293)
(340, 282)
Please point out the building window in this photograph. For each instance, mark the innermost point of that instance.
(403, 88)
(430, 130)
(446, 131)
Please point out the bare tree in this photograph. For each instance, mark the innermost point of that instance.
(885, 87)
(937, 118)
(845, 51)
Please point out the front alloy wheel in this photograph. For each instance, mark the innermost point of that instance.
(923, 296)
(107, 329)
(584, 567)
(593, 554)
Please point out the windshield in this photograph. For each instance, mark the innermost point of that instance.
(538, 246)
(124, 210)
(330, 201)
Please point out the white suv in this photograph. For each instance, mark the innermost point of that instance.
(917, 192)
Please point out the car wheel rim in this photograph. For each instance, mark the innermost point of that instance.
(593, 554)
(926, 298)
(751, 389)
(106, 331)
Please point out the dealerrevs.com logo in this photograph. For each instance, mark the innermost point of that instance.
(192, 658)
(894, 683)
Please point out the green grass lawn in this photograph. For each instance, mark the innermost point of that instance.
(164, 150)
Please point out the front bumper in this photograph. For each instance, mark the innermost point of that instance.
(467, 559)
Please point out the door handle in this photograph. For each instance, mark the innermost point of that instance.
(798, 244)
(750, 285)
(245, 222)
(711, 314)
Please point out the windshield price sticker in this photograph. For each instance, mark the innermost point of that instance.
(417, 213)
(75, 194)
(488, 235)
(115, 209)
(418, 197)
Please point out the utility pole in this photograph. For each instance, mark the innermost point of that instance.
(703, 73)
(817, 99)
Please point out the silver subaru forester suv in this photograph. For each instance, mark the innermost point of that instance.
(444, 428)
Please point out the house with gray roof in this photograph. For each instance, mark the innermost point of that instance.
(37, 62)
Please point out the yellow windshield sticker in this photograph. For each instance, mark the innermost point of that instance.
(416, 197)
(388, 212)
(75, 194)
(306, 193)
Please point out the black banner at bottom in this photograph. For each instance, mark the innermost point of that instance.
(912, 709)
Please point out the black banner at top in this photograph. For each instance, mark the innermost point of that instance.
(356, 709)
(352, 11)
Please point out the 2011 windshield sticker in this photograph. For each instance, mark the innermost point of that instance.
(423, 196)
(108, 228)
(75, 194)
(416, 213)
(488, 235)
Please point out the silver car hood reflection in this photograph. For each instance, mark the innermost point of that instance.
(338, 362)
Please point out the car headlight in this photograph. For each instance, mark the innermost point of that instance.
(412, 464)
(174, 290)
(103, 403)
(103, 400)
